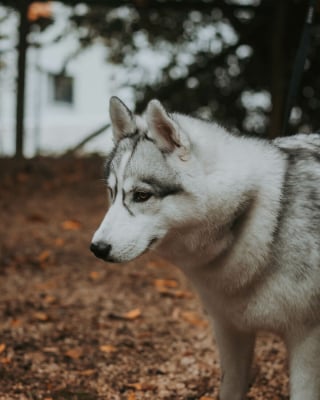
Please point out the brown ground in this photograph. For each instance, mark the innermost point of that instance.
(72, 327)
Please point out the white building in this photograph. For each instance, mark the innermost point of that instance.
(63, 105)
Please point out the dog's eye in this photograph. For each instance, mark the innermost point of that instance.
(140, 197)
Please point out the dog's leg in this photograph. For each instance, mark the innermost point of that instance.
(236, 350)
(304, 349)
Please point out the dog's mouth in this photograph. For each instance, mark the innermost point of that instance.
(150, 246)
(152, 242)
(120, 260)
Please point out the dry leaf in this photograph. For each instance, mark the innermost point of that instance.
(59, 242)
(49, 299)
(106, 348)
(87, 372)
(133, 314)
(94, 275)
(75, 353)
(131, 396)
(2, 347)
(40, 316)
(140, 386)
(5, 360)
(15, 323)
(165, 283)
(130, 315)
(44, 256)
(206, 398)
(71, 225)
(50, 350)
(136, 386)
(194, 319)
(183, 294)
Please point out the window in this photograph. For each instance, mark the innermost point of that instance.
(61, 88)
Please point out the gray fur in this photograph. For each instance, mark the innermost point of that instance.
(240, 217)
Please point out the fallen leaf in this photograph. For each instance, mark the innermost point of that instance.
(87, 372)
(50, 349)
(94, 275)
(5, 360)
(165, 283)
(183, 294)
(140, 386)
(59, 242)
(133, 314)
(136, 386)
(106, 348)
(2, 347)
(131, 396)
(71, 225)
(130, 315)
(75, 353)
(194, 319)
(15, 323)
(40, 316)
(48, 299)
(206, 398)
(44, 256)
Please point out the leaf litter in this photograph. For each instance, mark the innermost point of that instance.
(86, 330)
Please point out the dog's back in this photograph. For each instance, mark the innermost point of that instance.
(297, 241)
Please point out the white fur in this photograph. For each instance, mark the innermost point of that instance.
(220, 231)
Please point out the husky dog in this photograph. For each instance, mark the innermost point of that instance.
(240, 217)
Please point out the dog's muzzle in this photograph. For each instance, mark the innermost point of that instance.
(101, 250)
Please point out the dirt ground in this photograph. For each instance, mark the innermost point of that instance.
(75, 328)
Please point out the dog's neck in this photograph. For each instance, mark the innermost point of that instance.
(232, 246)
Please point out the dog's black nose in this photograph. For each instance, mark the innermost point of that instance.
(101, 250)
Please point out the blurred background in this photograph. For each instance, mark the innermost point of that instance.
(73, 327)
(230, 61)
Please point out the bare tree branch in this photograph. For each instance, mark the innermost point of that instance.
(88, 138)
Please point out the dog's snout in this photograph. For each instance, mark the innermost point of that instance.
(101, 250)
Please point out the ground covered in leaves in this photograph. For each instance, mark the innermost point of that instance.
(75, 328)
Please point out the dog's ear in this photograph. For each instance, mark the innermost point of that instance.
(122, 119)
(165, 131)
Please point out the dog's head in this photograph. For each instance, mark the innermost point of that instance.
(147, 194)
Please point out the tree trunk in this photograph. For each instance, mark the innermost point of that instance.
(22, 50)
(278, 69)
